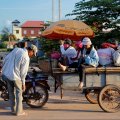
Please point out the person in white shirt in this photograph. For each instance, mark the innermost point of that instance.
(105, 55)
(79, 49)
(14, 71)
(116, 57)
(67, 52)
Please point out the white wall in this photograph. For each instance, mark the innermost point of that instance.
(18, 35)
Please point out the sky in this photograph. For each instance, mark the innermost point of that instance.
(24, 10)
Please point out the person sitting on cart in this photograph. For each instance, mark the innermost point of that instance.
(68, 52)
(88, 57)
(79, 48)
(116, 57)
(105, 54)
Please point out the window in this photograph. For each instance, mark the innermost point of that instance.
(32, 31)
(25, 32)
(17, 31)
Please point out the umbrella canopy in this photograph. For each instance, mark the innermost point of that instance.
(72, 29)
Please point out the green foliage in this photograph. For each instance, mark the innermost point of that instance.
(99, 14)
(26, 38)
(94, 10)
(47, 46)
(9, 49)
(5, 34)
(0, 36)
(3, 45)
(107, 37)
(6, 31)
(3, 50)
(4, 37)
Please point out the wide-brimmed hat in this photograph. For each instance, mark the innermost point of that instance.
(86, 41)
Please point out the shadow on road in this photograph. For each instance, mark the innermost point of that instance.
(62, 101)
(5, 114)
(70, 110)
(64, 110)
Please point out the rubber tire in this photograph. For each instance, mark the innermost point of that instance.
(101, 95)
(45, 100)
(88, 97)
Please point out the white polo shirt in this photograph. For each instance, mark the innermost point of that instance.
(105, 56)
(69, 53)
(16, 64)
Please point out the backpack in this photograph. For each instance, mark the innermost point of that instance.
(116, 58)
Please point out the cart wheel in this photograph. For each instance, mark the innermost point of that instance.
(109, 98)
(92, 95)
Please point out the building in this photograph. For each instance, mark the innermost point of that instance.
(16, 29)
(30, 29)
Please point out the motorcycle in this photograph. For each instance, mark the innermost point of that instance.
(36, 93)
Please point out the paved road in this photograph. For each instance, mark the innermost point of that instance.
(73, 106)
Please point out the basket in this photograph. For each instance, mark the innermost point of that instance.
(44, 65)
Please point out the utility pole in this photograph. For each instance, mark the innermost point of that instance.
(59, 8)
(53, 10)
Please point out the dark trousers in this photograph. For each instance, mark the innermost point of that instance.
(73, 65)
(80, 72)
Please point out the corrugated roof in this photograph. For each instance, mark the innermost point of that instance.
(33, 24)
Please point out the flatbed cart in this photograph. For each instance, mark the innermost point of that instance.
(101, 84)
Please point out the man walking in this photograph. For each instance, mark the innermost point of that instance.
(14, 71)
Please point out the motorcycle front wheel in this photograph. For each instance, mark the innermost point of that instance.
(37, 98)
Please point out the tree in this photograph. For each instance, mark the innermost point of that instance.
(49, 45)
(99, 14)
(6, 35)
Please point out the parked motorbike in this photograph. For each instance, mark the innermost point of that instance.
(36, 93)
